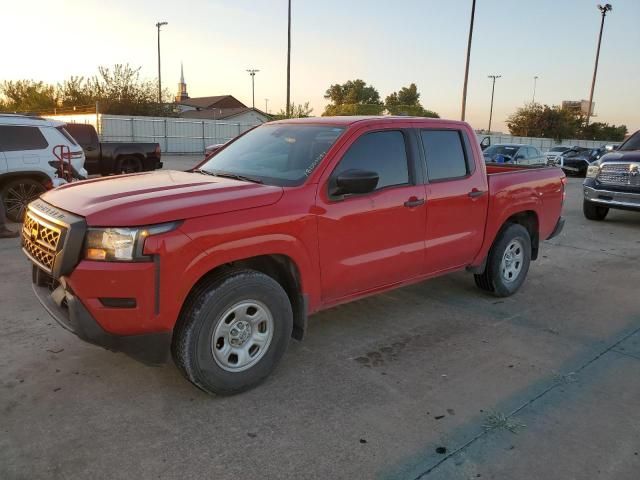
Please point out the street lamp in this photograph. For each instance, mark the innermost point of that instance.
(603, 10)
(289, 61)
(158, 25)
(466, 69)
(493, 77)
(535, 80)
(252, 72)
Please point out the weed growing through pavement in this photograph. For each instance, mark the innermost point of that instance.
(500, 421)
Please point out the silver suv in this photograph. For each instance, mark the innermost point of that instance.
(30, 160)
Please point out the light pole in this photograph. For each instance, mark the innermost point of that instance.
(252, 72)
(158, 25)
(493, 88)
(466, 69)
(535, 80)
(266, 105)
(603, 10)
(289, 60)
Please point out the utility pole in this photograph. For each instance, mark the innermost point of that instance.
(603, 10)
(266, 105)
(289, 62)
(158, 25)
(493, 88)
(466, 69)
(535, 80)
(252, 72)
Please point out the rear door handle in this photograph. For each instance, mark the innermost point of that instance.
(475, 193)
(414, 202)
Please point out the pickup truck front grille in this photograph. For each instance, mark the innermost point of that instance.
(41, 241)
(623, 174)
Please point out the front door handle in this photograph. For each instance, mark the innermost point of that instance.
(475, 193)
(414, 202)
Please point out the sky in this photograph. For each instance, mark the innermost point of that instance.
(388, 44)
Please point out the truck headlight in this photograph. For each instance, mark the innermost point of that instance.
(118, 244)
(592, 171)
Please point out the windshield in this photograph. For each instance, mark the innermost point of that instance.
(276, 154)
(509, 150)
(632, 143)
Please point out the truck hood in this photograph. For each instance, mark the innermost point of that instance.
(621, 156)
(157, 197)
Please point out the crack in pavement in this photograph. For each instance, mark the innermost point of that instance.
(531, 401)
(590, 250)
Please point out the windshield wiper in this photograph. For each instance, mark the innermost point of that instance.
(236, 176)
(204, 172)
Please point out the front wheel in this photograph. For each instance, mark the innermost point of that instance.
(508, 262)
(594, 212)
(17, 194)
(233, 332)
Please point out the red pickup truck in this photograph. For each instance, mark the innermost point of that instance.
(222, 265)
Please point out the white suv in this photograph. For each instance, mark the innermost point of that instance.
(28, 165)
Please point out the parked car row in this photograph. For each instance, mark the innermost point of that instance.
(37, 154)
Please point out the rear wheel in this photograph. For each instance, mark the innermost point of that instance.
(233, 332)
(129, 164)
(593, 211)
(17, 194)
(508, 262)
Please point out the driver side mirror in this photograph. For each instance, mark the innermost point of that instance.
(519, 157)
(354, 182)
(485, 143)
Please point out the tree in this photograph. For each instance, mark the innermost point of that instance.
(604, 131)
(297, 111)
(28, 96)
(353, 97)
(407, 102)
(118, 89)
(536, 120)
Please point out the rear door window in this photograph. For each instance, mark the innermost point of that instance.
(82, 133)
(17, 138)
(445, 154)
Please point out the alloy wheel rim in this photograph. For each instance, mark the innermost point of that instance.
(512, 260)
(242, 335)
(19, 197)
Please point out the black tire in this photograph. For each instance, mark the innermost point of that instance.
(17, 194)
(593, 211)
(129, 164)
(194, 339)
(493, 279)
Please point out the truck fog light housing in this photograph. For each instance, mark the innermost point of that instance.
(119, 244)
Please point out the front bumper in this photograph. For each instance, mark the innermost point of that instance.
(70, 313)
(612, 199)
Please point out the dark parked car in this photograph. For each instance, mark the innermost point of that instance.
(576, 160)
(613, 181)
(106, 158)
(514, 153)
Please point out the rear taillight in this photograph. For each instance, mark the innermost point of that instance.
(563, 181)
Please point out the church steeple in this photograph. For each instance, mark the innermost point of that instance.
(182, 87)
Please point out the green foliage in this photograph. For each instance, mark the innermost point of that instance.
(119, 90)
(355, 97)
(604, 131)
(536, 120)
(27, 96)
(352, 98)
(297, 111)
